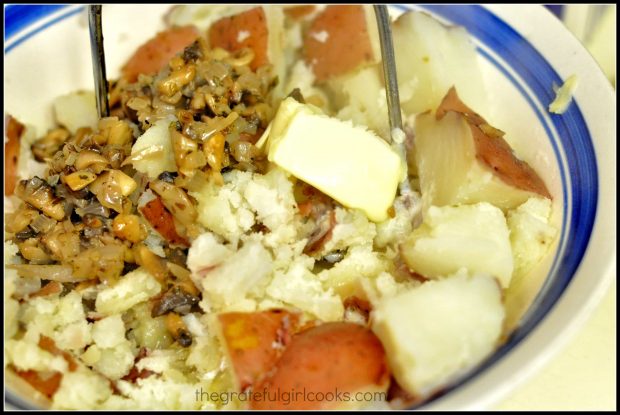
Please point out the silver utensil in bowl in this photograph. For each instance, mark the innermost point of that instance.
(98, 56)
(391, 89)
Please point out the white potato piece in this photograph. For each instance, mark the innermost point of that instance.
(115, 362)
(431, 58)
(153, 151)
(299, 287)
(474, 237)
(229, 277)
(458, 163)
(531, 235)
(135, 287)
(360, 97)
(76, 110)
(81, 389)
(439, 331)
(109, 331)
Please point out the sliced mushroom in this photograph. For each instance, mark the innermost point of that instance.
(175, 300)
(39, 194)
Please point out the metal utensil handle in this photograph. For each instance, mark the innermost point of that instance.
(389, 65)
(391, 89)
(98, 55)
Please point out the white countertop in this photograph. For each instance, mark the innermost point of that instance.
(582, 376)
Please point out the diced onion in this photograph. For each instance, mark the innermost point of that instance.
(60, 273)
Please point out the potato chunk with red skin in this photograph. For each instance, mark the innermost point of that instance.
(162, 221)
(154, 55)
(14, 131)
(338, 41)
(492, 150)
(47, 383)
(255, 341)
(343, 357)
(244, 30)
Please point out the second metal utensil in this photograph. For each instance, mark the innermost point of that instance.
(98, 56)
(391, 88)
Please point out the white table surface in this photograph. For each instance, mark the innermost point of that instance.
(582, 376)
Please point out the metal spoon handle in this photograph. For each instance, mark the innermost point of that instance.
(389, 65)
(391, 88)
(98, 55)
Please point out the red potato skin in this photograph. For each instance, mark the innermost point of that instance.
(325, 359)
(347, 47)
(14, 131)
(224, 34)
(47, 385)
(49, 345)
(250, 340)
(155, 54)
(359, 305)
(162, 221)
(52, 287)
(493, 151)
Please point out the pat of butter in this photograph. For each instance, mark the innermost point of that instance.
(348, 163)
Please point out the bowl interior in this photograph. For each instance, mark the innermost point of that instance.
(47, 54)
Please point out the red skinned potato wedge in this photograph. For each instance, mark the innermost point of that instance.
(461, 159)
(162, 221)
(51, 288)
(339, 40)
(152, 56)
(493, 150)
(332, 357)
(47, 385)
(255, 341)
(248, 29)
(14, 131)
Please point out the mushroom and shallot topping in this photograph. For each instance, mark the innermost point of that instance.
(85, 219)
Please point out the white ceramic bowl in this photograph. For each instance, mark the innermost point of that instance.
(524, 50)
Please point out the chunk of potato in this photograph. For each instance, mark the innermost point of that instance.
(162, 221)
(152, 56)
(247, 29)
(322, 361)
(340, 39)
(14, 131)
(437, 332)
(152, 152)
(360, 96)
(532, 235)
(462, 159)
(262, 30)
(76, 110)
(255, 341)
(430, 58)
(474, 237)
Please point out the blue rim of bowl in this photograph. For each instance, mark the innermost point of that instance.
(535, 78)
(568, 133)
